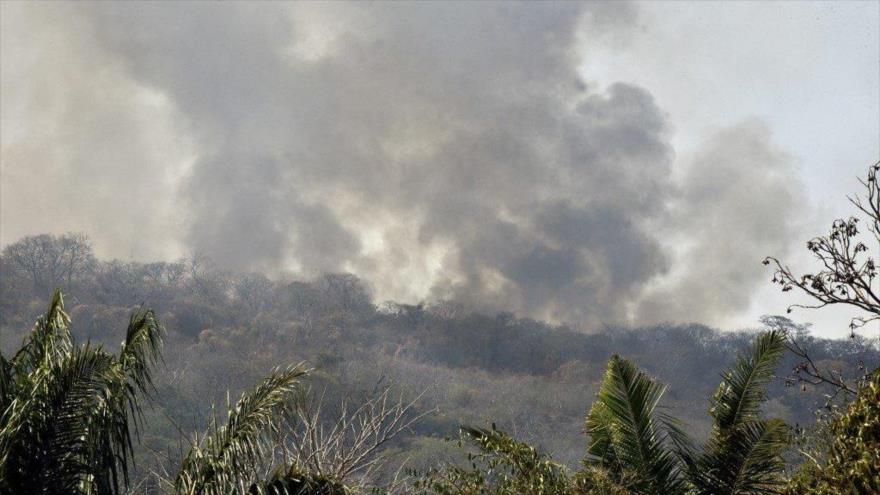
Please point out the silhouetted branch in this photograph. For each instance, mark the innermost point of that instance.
(848, 273)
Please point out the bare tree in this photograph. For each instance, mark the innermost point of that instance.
(161, 273)
(204, 278)
(348, 447)
(49, 261)
(846, 276)
(808, 371)
(253, 292)
(347, 291)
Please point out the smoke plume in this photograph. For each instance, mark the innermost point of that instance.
(439, 151)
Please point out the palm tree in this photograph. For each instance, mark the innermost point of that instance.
(228, 457)
(67, 412)
(743, 454)
(632, 437)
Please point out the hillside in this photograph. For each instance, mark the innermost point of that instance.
(226, 330)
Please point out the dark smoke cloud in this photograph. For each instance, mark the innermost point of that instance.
(437, 150)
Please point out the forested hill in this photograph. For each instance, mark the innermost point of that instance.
(227, 330)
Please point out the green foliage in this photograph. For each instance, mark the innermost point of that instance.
(68, 411)
(744, 452)
(632, 437)
(225, 332)
(70, 415)
(290, 481)
(744, 387)
(629, 433)
(851, 463)
(230, 454)
(594, 480)
(504, 466)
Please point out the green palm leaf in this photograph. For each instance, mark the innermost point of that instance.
(7, 386)
(231, 453)
(744, 452)
(49, 339)
(628, 431)
(28, 375)
(142, 348)
(65, 434)
(67, 410)
(744, 386)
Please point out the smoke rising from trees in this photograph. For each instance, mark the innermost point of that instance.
(436, 151)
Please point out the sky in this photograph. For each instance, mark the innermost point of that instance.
(589, 164)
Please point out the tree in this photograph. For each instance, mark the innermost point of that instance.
(850, 463)
(346, 448)
(635, 447)
(743, 454)
(347, 292)
(501, 466)
(849, 460)
(276, 441)
(847, 275)
(68, 411)
(635, 440)
(69, 415)
(630, 435)
(252, 293)
(227, 458)
(50, 261)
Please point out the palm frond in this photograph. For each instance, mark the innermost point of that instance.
(231, 453)
(28, 374)
(290, 481)
(49, 339)
(629, 432)
(599, 426)
(142, 348)
(744, 386)
(88, 430)
(744, 452)
(140, 352)
(747, 461)
(64, 435)
(68, 411)
(501, 465)
(7, 385)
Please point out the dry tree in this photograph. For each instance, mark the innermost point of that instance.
(847, 276)
(349, 446)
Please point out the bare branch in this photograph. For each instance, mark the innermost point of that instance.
(350, 447)
(848, 273)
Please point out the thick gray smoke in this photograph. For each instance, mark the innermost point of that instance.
(438, 150)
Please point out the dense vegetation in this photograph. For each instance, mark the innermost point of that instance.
(383, 386)
(226, 330)
(70, 412)
(636, 447)
(850, 459)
